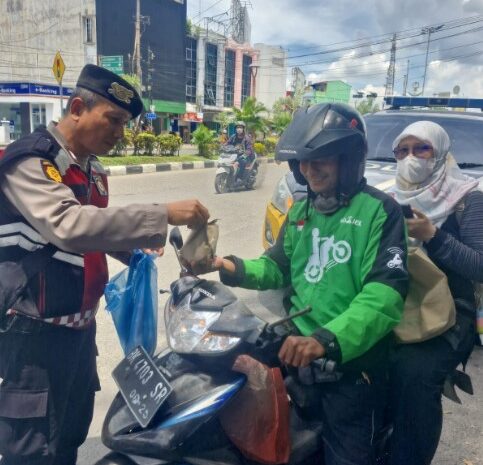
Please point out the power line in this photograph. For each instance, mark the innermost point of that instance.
(205, 10)
(389, 35)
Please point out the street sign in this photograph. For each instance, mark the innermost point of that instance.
(114, 63)
(58, 67)
(150, 116)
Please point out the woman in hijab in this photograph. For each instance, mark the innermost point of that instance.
(448, 224)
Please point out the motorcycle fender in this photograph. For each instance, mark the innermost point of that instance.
(221, 169)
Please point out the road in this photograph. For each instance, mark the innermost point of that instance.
(240, 218)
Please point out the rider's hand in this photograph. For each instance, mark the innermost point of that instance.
(189, 212)
(299, 351)
(420, 227)
(220, 262)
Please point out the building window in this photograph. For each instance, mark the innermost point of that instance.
(191, 69)
(229, 78)
(38, 115)
(88, 29)
(278, 61)
(246, 78)
(210, 74)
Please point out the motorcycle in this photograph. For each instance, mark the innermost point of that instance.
(227, 175)
(168, 409)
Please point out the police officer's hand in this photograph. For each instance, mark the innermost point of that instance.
(299, 351)
(189, 212)
(420, 227)
(159, 251)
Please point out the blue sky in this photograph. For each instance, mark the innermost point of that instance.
(312, 26)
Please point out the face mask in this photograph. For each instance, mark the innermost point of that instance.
(415, 170)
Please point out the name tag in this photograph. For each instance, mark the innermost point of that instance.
(142, 385)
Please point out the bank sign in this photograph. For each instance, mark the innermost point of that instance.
(24, 88)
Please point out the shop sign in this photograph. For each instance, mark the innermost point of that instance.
(23, 88)
(194, 117)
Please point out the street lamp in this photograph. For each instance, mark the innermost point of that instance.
(428, 30)
(254, 71)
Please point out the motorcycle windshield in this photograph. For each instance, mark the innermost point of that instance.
(238, 321)
(188, 330)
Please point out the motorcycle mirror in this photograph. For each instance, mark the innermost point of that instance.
(175, 238)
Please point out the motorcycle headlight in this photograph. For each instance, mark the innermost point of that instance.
(187, 330)
(282, 198)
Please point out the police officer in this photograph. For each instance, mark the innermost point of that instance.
(54, 191)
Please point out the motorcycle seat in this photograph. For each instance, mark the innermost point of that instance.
(306, 438)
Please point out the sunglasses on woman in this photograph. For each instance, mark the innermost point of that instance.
(418, 150)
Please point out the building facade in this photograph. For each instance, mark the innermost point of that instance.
(219, 76)
(327, 91)
(88, 31)
(270, 74)
(162, 51)
(31, 33)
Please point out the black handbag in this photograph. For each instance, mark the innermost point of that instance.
(14, 278)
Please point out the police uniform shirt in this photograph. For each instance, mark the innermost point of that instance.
(51, 208)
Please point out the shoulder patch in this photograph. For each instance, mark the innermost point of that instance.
(50, 171)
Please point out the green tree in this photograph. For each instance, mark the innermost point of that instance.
(224, 118)
(280, 121)
(289, 104)
(283, 110)
(367, 106)
(204, 139)
(251, 114)
(192, 30)
(133, 80)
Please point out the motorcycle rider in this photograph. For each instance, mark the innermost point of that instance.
(242, 141)
(337, 250)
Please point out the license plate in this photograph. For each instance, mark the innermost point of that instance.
(142, 385)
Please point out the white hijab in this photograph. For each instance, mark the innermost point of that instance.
(442, 190)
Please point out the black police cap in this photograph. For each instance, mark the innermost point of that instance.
(112, 87)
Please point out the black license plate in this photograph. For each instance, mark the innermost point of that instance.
(142, 385)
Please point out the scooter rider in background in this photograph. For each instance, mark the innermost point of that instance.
(242, 141)
(335, 249)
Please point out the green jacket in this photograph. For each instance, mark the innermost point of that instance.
(349, 266)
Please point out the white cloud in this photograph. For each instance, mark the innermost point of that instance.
(444, 76)
(310, 26)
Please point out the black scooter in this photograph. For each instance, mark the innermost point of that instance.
(168, 409)
(228, 178)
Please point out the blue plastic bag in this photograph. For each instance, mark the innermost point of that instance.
(132, 300)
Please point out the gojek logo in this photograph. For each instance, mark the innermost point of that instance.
(326, 253)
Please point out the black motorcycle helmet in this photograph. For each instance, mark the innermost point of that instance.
(322, 130)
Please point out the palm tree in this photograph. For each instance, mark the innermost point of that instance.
(251, 115)
(224, 118)
(280, 121)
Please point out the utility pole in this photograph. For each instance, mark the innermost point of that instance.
(406, 77)
(391, 70)
(150, 83)
(137, 44)
(429, 31)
